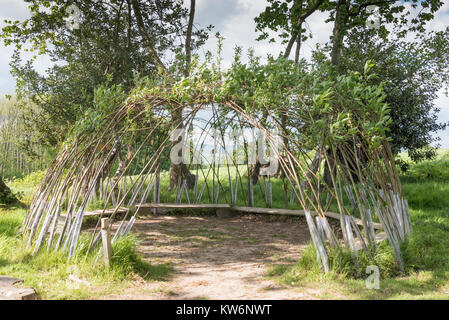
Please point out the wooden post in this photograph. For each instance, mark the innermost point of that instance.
(157, 190)
(250, 192)
(235, 190)
(270, 194)
(106, 239)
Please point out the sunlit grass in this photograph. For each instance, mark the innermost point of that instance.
(56, 277)
(425, 252)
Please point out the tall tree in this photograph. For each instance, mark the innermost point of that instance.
(112, 41)
(285, 18)
(181, 170)
(412, 73)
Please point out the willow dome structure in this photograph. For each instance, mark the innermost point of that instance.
(330, 146)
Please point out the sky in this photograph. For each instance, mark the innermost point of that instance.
(234, 19)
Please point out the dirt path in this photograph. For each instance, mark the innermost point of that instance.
(219, 258)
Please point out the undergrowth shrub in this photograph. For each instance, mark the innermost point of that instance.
(436, 169)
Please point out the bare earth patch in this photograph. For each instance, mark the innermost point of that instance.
(219, 258)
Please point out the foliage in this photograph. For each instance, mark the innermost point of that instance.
(280, 18)
(323, 94)
(6, 195)
(107, 98)
(13, 161)
(413, 73)
(26, 187)
(107, 47)
(429, 170)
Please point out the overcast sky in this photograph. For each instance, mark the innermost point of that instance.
(234, 19)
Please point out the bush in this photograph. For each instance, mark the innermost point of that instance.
(437, 169)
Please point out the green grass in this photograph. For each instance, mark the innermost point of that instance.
(168, 196)
(51, 274)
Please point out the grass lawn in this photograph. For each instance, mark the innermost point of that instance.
(53, 276)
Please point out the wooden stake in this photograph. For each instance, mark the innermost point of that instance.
(270, 194)
(250, 193)
(321, 253)
(106, 239)
(157, 191)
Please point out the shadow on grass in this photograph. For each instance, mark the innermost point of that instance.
(9, 224)
(4, 262)
(154, 272)
(9, 228)
(127, 259)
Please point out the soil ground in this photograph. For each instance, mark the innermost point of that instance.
(219, 258)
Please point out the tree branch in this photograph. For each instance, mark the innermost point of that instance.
(189, 37)
(157, 61)
(375, 3)
(301, 19)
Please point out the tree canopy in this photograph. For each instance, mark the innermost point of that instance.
(115, 42)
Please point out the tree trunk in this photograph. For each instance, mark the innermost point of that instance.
(176, 170)
(338, 32)
(180, 170)
(189, 37)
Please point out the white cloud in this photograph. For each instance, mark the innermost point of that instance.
(11, 10)
(15, 10)
(442, 102)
